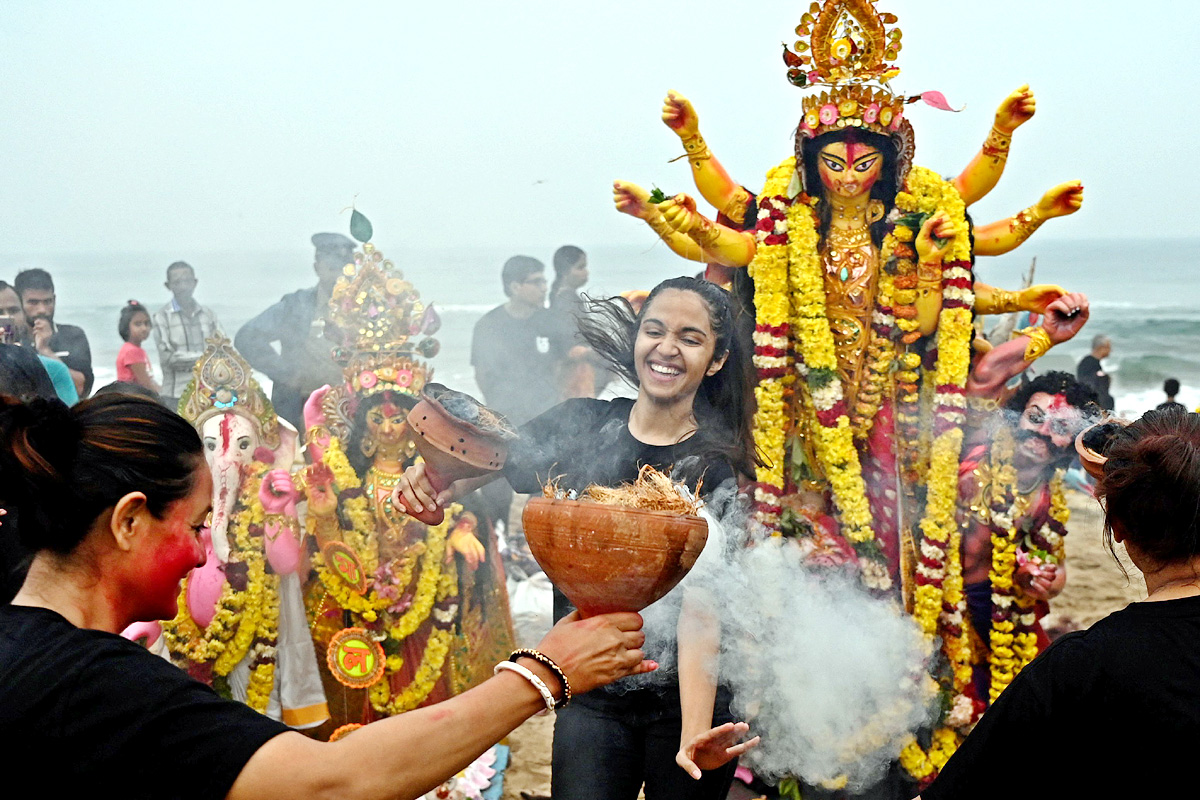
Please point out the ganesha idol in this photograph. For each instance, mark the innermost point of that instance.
(404, 613)
(859, 270)
(241, 624)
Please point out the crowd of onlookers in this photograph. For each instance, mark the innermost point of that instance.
(524, 351)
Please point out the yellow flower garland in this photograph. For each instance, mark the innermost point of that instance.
(437, 581)
(244, 619)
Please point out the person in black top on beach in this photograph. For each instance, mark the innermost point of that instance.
(1170, 389)
(1091, 373)
(1112, 711)
(691, 418)
(113, 494)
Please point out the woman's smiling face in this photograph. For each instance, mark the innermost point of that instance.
(673, 351)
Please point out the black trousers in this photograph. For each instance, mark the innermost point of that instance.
(609, 750)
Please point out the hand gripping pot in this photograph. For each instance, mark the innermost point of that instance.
(458, 437)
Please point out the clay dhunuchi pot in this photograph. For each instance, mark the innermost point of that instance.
(1091, 443)
(453, 445)
(608, 558)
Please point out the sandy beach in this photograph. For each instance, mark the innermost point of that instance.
(1095, 588)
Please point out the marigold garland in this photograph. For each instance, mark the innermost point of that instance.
(246, 622)
(436, 586)
(792, 329)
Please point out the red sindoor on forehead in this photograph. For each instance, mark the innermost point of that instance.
(855, 151)
(1058, 402)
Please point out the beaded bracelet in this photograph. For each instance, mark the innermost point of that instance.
(548, 663)
(538, 683)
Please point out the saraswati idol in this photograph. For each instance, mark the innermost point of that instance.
(859, 268)
(406, 613)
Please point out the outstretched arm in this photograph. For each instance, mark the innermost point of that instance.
(998, 238)
(725, 246)
(984, 171)
(711, 179)
(633, 200)
(1064, 318)
(1034, 299)
(702, 747)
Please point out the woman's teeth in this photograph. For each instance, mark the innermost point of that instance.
(661, 370)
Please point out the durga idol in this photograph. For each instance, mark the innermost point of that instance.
(861, 268)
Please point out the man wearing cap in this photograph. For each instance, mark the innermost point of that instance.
(304, 361)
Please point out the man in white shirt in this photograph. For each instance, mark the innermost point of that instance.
(180, 328)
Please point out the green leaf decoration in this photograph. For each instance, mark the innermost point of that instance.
(657, 196)
(360, 226)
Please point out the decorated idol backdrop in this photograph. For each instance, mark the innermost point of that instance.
(404, 614)
(855, 267)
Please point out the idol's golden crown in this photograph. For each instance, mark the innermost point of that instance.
(848, 46)
(222, 381)
(379, 316)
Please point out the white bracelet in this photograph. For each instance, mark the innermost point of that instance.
(537, 682)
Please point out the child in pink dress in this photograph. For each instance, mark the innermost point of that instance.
(133, 365)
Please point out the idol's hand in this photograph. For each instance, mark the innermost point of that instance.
(680, 212)
(631, 199)
(314, 413)
(1040, 581)
(464, 542)
(1037, 298)
(1064, 199)
(939, 226)
(679, 115)
(1065, 317)
(322, 500)
(598, 650)
(714, 748)
(417, 494)
(277, 492)
(1017, 109)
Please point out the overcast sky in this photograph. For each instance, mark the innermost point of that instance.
(138, 126)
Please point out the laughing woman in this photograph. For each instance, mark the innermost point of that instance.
(691, 418)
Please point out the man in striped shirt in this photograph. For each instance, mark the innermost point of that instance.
(180, 328)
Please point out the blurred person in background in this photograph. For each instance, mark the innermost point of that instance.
(13, 330)
(133, 364)
(1090, 371)
(66, 343)
(515, 350)
(304, 361)
(1170, 389)
(21, 376)
(580, 373)
(180, 328)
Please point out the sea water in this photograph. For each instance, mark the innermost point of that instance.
(1143, 295)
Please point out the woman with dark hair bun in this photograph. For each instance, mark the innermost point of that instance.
(1113, 710)
(691, 418)
(112, 496)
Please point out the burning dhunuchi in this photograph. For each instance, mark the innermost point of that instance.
(616, 549)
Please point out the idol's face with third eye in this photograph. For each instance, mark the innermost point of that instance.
(387, 424)
(849, 170)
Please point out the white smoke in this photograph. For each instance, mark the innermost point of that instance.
(832, 679)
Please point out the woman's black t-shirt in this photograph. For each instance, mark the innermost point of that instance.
(582, 442)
